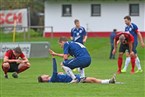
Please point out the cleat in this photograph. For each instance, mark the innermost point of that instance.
(132, 72)
(139, 71)
(113, 79)
(118, 72)
(123, 71)
(74, 81)
(74, 70)
(15, 75)
(83, 80)
(6, 76)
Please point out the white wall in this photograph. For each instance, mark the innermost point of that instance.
(112, 14)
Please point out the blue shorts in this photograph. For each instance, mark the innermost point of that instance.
(80, 62)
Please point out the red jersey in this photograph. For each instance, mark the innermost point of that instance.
(128, 37)
(11, 55)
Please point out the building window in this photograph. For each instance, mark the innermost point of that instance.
(66, 10)
(134, 9)
(96, 10)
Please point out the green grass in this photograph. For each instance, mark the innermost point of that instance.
(27, 86)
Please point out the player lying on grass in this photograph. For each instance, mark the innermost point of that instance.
(127, 41)
(14, 61)
(64, 78)
(81, 58)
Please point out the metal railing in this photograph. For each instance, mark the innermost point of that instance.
(26, 30)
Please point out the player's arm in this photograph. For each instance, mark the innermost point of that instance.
(25, 60)
(6, 59)
(71, 36)
(130, 48)
(141, 39)
(85, 36)
(57, 54)
(115, 46)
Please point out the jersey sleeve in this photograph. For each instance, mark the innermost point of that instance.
(135, 28)
(22, 55)
(66, 48)
(84, 32)
(7, 54)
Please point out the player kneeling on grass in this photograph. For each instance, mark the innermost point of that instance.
(126, 40)
(81, 58)
(64, 78)
(14, 61)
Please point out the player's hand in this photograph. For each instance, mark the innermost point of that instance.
(114, 51)
(131, 53)
(52, 52)
(19, 61)
(142, 44)
(84, 40)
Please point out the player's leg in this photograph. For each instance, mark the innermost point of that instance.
(137, 61)
(122, 49)
(68, 69)
(82, 63)
(101, 81)
(21, 67)
(82, 72)
(111, 55)
(132, 56)
(5, 68)
(127, 61)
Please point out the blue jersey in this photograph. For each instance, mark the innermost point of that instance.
(132, 29)
(64, 78)
(78, 34)
(75, 49)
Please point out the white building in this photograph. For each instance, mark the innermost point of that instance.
(97, 16)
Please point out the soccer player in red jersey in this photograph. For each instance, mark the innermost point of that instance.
(14, 61)
(126, 43)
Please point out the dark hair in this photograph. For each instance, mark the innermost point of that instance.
(63, 39)
(114, 30)
(40, 79)
(128, 18)
(76, 20)
(18, 50)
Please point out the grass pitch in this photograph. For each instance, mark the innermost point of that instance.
(27, 86)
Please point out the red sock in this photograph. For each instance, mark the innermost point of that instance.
(119, 63)
(133, 63)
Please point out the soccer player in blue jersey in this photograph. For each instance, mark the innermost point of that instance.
(133, 29)
(64, 78)
(78, 33)
(81, 58)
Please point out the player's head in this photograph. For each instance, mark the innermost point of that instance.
(62, 40)
(77, 23)
(127, 20)
(114, 30)
(17, 51)
(43, 78)
(122, 38)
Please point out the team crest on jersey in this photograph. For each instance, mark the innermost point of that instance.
(78, 34)
(130, 29)
(80, 31)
